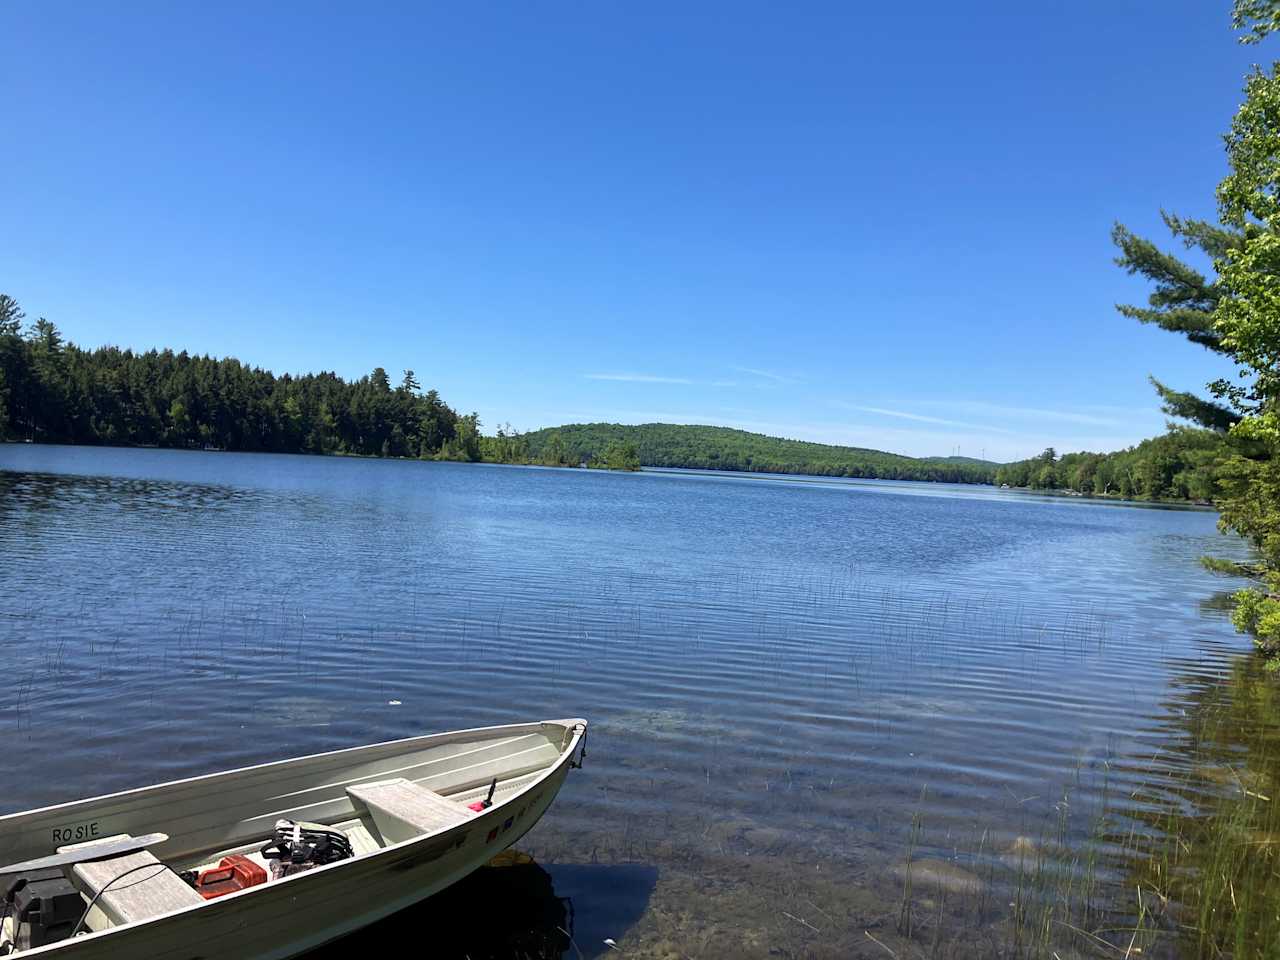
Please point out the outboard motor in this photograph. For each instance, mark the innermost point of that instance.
(45, 908)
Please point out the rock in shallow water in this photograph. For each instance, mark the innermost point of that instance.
(1241, 778)
(1022, 854)
(763, 838)
(940, 875)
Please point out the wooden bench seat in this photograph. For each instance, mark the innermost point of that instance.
(402, 809)
(145, 893)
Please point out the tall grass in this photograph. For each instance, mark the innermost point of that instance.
(1184, 865)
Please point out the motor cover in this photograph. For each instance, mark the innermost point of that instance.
(45, 908)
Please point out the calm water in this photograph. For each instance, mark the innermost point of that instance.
(794, 687)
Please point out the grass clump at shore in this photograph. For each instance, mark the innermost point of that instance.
(1183, 865)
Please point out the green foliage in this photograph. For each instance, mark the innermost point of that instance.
(553, 452)
(1238, 315)
(1248, 315)
(1187, 406)
(1248, 320)
(506, 446)
(1230, 568)
(464, 445)
(1258, 613)
(619, 455)
(1183, 301)
(1207, 854)
(11, 316)
(1250, 504)
(722, 448)
(56, 392)
(1258, 17)
(1181, 465)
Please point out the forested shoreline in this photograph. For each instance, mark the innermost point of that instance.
(1183, 464)
(725, 448)
(52, 391)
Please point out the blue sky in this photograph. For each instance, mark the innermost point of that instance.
(884, 225)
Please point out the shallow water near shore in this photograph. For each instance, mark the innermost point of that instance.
(827, 718)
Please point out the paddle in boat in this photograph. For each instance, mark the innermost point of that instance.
(270, 861)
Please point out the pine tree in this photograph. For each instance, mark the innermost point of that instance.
(11, 316)
(1183, 302)
(1236, 314)
(12, 362)
(1248, 320)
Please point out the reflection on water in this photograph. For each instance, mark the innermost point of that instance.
(1209, 856)
(828, 719)
(513, 909)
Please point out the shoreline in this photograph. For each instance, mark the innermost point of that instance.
(644, 468)
(1113, 498)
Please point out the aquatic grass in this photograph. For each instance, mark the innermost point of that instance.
(1218, 870)
(1185, 865)
(1049, 884)
(913, 841)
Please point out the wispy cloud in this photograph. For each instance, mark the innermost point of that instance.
(638, 378)
(767, 375)
(655, 378)
(982, 408)
(921, 418)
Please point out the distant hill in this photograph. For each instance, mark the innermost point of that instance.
(723, 448)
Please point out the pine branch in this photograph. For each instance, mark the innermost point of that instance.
(1187, 406)
(1183, 300)
(1195, 325)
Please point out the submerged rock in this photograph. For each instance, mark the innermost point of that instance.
(1240, 778)
(939, 874)
(730, 829)
(1023, 853)
(763, 838)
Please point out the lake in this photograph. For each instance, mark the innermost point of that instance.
(828, 718)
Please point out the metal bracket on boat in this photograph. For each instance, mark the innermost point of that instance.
(582, 748)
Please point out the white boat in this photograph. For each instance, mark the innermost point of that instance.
(413, 812)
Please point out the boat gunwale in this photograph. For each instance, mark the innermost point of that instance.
(254, 767)
(133, 800)
(575, 726)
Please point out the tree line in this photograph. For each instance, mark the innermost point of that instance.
(56, 392)
(724, 448)
(52, 391)
(1184, 464)
(548, 448)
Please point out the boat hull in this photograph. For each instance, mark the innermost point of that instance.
(291, 916)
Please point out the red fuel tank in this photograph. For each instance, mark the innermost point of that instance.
(231, 874)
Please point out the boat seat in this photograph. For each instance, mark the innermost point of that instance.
(402, 809)
(141, 895)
